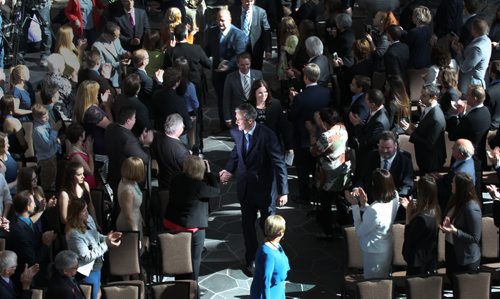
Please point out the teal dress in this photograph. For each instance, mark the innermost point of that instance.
(271, 269)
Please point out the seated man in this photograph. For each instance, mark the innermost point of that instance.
(8, 265)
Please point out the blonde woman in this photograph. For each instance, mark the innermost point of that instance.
(70, 52)
(88, 113)
(130, 195)
(172, 18)
(289, 39)
(21, 88)
(271, 262)
(418, 38)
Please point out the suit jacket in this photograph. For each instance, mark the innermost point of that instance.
(121, 144)
(260, 31)
(234, 43)
(492, 101)
(26, 242)
(261, 172)
(233, 91)
(141, 112)
(110, 52)
(420, 242)
(310, 100)
(195, 56)
(428, 139)
(474, 126)
(188, 203)
(170, 154)
(324, 67)
(148, 87)
(104, 84)
(401, 171)
(396, 60)
(474, 62)
(63, 287)
(358, 107)
(127, 32)
(448, 17)
(342, 44)
(368, 134)
(466, 241)
(9, 292)
(166, 102)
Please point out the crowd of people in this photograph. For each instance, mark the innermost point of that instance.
(119, 95)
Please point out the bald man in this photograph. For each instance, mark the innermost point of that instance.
(140, 59)
(223, 43)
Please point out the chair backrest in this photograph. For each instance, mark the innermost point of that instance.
(121, 290)
(28, 134)
(87, 290)
(354, 253)
(176, 253)
(449, 145)
(2, 244)
(179, 289)
(489, 240)
(37, 293)
(398, 233)
(430, 287)
(127, 251)
(472, 285)
(441, 246)
(375, 289)
(406, 145)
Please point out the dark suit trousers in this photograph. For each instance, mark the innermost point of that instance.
(305, 163)
(257, 57)
(249, 208)
(218, 82)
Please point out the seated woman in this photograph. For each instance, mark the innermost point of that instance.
(9, 165)
(62, 271)
(21, 88)
(374, 229)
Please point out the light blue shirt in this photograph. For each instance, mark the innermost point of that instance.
(44, 141)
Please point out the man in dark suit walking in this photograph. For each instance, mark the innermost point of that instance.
(252, 20)
(303, 105)
(262, 184)
(428, 137)
(134, 24)
(223, 43)
(238, 85)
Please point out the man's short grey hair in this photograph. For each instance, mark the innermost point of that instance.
(55, 63)
(7, 259)
(248, 111)
(432, 90)
(173, 122)
(343, 21)
(314, 46)
(312, 72)
(64, 260)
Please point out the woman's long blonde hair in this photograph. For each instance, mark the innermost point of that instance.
(65, 39)
(86, 96)
(172, 18)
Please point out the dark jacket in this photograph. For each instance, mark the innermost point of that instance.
(420, 243)
(63, 287)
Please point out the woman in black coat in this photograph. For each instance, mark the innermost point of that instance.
(270, 112)
(422, 227)
(188, 205)
(61, 283)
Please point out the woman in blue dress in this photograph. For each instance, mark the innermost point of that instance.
(271, 262)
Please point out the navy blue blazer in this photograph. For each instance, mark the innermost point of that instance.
(234, 43)
(8, 292)
(261, 173)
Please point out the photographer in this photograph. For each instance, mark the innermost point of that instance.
(187, 208)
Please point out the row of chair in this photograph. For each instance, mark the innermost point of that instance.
(466, 286)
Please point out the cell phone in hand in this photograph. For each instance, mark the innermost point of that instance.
(335, 56)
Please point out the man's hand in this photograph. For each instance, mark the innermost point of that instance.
(48, 237)
(282, 200)
(407, 127)
(77, 24)
(135, 41)
(105, 96)
(114, 239)
(225, 176)
(146, 137)
(4, 224)
(354, 119)
(159, 75)
(28, 274)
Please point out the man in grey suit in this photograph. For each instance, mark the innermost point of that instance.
(252, 20)
(474, 59)
(238, 85)
(134, 24)
(111, 51)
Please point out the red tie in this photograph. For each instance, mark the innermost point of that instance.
(131, 18)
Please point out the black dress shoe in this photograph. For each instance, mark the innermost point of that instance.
(249, 270)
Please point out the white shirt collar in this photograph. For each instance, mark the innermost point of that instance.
(251, 130)
(389, 161)
(225, 32)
